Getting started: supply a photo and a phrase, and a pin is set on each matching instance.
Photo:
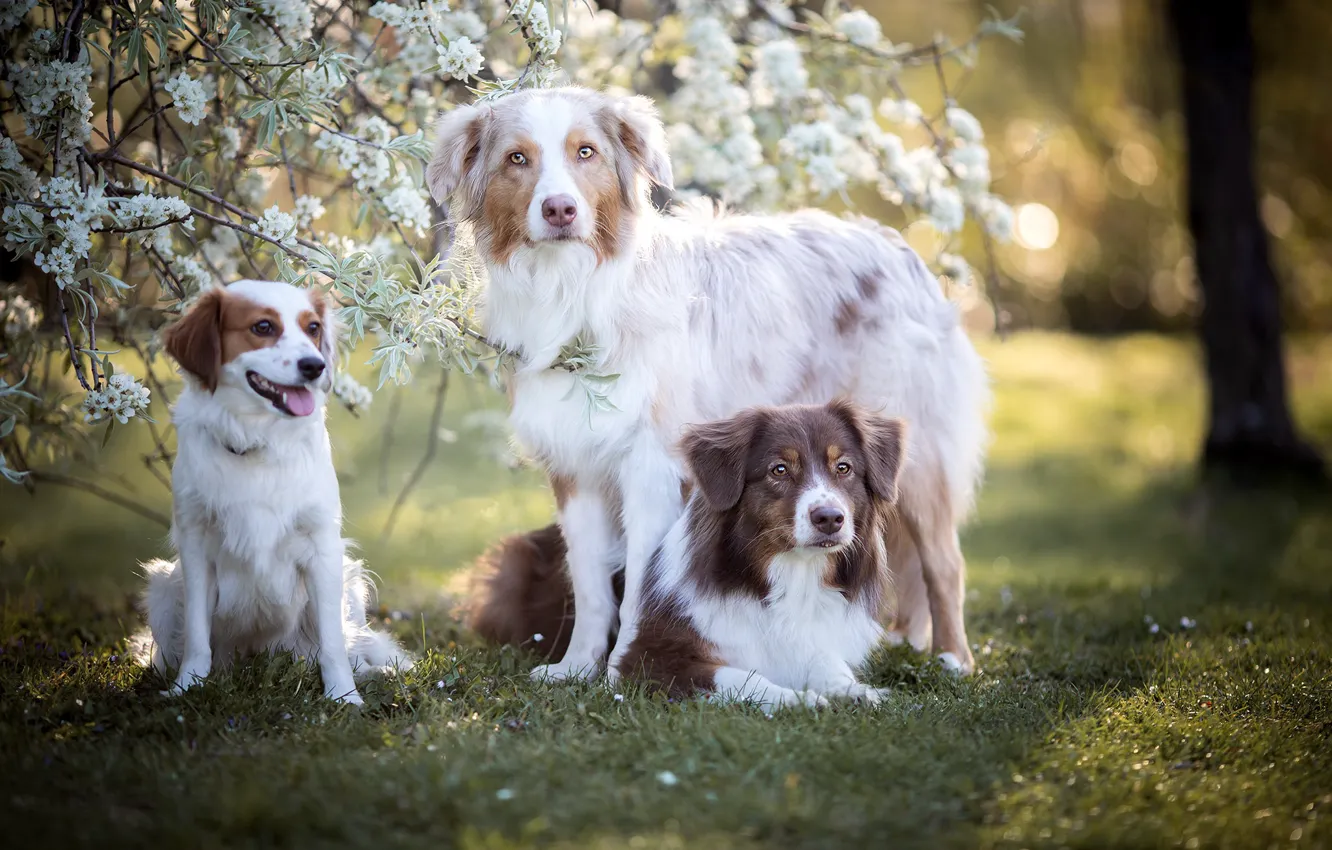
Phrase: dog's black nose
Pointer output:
(825, 519)
(310, 367)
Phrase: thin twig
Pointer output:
(101, 493)
(432, 445)
(69, 340)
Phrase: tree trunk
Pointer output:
(1250, 429)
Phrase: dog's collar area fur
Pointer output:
(245, 452)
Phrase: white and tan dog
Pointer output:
(256, 514)
(700, 316)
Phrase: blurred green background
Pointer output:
(1086, 137)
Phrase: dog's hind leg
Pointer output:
(926, 507)
(162, 604)
(911, 621)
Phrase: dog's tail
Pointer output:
(372, 652)
(522, 596)
(162, 604)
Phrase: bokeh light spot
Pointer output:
(1037, 227)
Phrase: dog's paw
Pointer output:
(352, 697)
(956, 665)
(184, 681)
(565, 671)
(810, 699)
(346, 696)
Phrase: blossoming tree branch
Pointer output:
(151, 149)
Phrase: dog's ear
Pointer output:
(884, 441)
(717, 455)
(640, 143)
(328, 320)
(458, 142)
(195, 342)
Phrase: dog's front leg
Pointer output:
(196, 658)
(325, 581)
(834, 678)
(650, 483)
(589, 532)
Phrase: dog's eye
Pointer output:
(843, 468)
(263, 327)
(778, 470)
(586, 152)
(313, 328)
(517, 158)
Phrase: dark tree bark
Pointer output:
(1250, 430)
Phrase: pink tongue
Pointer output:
(300, 401)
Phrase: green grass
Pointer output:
(1084, 728)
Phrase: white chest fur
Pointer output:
(793, 635)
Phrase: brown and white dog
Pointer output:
(699, 316)
(256, 515)
(770, 586)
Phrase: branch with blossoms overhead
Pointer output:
(151, 150)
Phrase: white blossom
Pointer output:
(292, 18)
(277, 225)
(12, 13)
(58, 261)
(824, 175)
(18, 315)
(996, 216)
(146, 212)
(782, 69)
(971, 164)
(408, 205)
(534, 15)
(860, 28)
(460, 59)
(14, 171)
(352, 393)
(964, 124)
(228, 141)
(901, 111)
(121, 398)
(944, 206)
(191, 273)
(251, 187)
(23, 224)
(308, 209)
(189, 96)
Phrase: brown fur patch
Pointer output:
(599, 186)
(868, 284)
(525, 591)
(507, 197)
(848, 317)
(564, 488)
(309, 319)
(667, 652)
(195, 342)
(239, 316)
(522, 589)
